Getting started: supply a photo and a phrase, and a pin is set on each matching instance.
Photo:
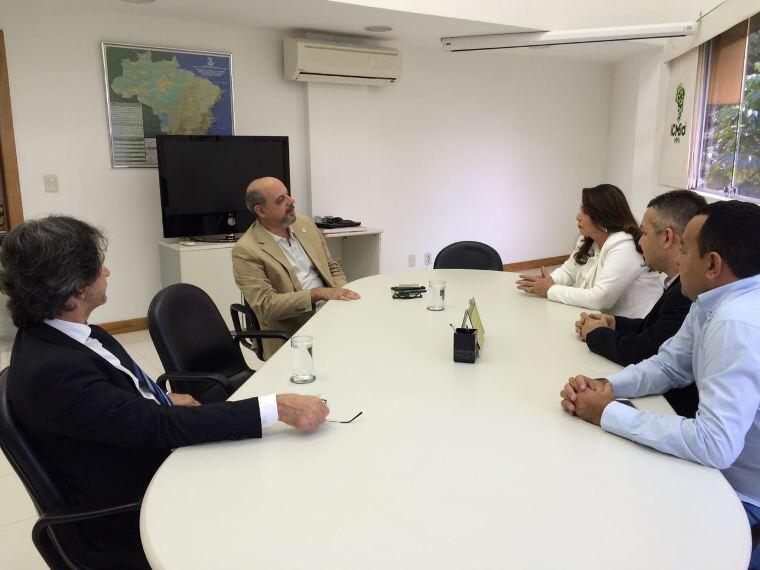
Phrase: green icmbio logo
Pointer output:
(678, 129)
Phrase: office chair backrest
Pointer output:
(468, 255)
(37, 476)
(19, 450)
(190, 335)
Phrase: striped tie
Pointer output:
(145, 382)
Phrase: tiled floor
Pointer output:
(17, 514)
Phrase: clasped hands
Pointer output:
(590, 321)
(537, 285)
(587, 397)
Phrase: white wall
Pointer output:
(543, 15)
(635, 138)
(485, 146)
(59, 111)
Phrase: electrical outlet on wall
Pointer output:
(428, 259)
(51, 183)
(412, 260)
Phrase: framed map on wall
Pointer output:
(152, 91)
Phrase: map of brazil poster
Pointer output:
(152, 91)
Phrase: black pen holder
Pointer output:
(465, 345)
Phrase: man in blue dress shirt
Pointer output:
(717, 348)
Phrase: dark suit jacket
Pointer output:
(634, 340)
(104, 439)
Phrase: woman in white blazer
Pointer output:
(606, 272)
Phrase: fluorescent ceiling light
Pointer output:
(533, 39)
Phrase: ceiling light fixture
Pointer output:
(139, 1)
(379, 29)
(593, 35)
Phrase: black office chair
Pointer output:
(244, 321)
(59, 542)
(468, 255)
(200, 356)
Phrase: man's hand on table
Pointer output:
(333, 293)
(305, 413)
(587, 397)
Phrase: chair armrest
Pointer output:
(195, 377)
(261, 334)
(71, 516)
(81, 514)
(236, 309)
(41, 539)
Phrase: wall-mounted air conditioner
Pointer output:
(307, 60)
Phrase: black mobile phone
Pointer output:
(408, 287)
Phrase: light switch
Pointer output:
(51, 183)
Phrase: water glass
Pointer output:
(436, 296)
(301, 349)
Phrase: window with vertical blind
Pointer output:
(729, 153)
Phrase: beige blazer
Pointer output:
(269, 283)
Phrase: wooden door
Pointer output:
(11, 211)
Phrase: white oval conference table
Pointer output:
(451, 466)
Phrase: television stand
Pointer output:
(215, 238)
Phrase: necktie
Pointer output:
(110, 344)
(145, 382)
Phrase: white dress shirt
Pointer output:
(717, 347)
(300, 262)
(613, 280)
(81, 334)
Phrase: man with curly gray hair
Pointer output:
(95, 416)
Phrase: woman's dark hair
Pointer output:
(45, 262)
(607, 207)
(732, 230)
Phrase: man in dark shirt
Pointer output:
(629, 341)
(103, 426)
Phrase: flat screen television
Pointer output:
(203, 180)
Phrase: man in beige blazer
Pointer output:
(282, 264)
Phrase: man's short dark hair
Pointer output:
(675, 209)
(732, 229)
(45, 262)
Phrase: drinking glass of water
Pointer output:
(301, 349)
(436, 296)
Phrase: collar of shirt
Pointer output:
(669, 280)
(708, 301)
(77, 331)
(280, 239)
(612, 239)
